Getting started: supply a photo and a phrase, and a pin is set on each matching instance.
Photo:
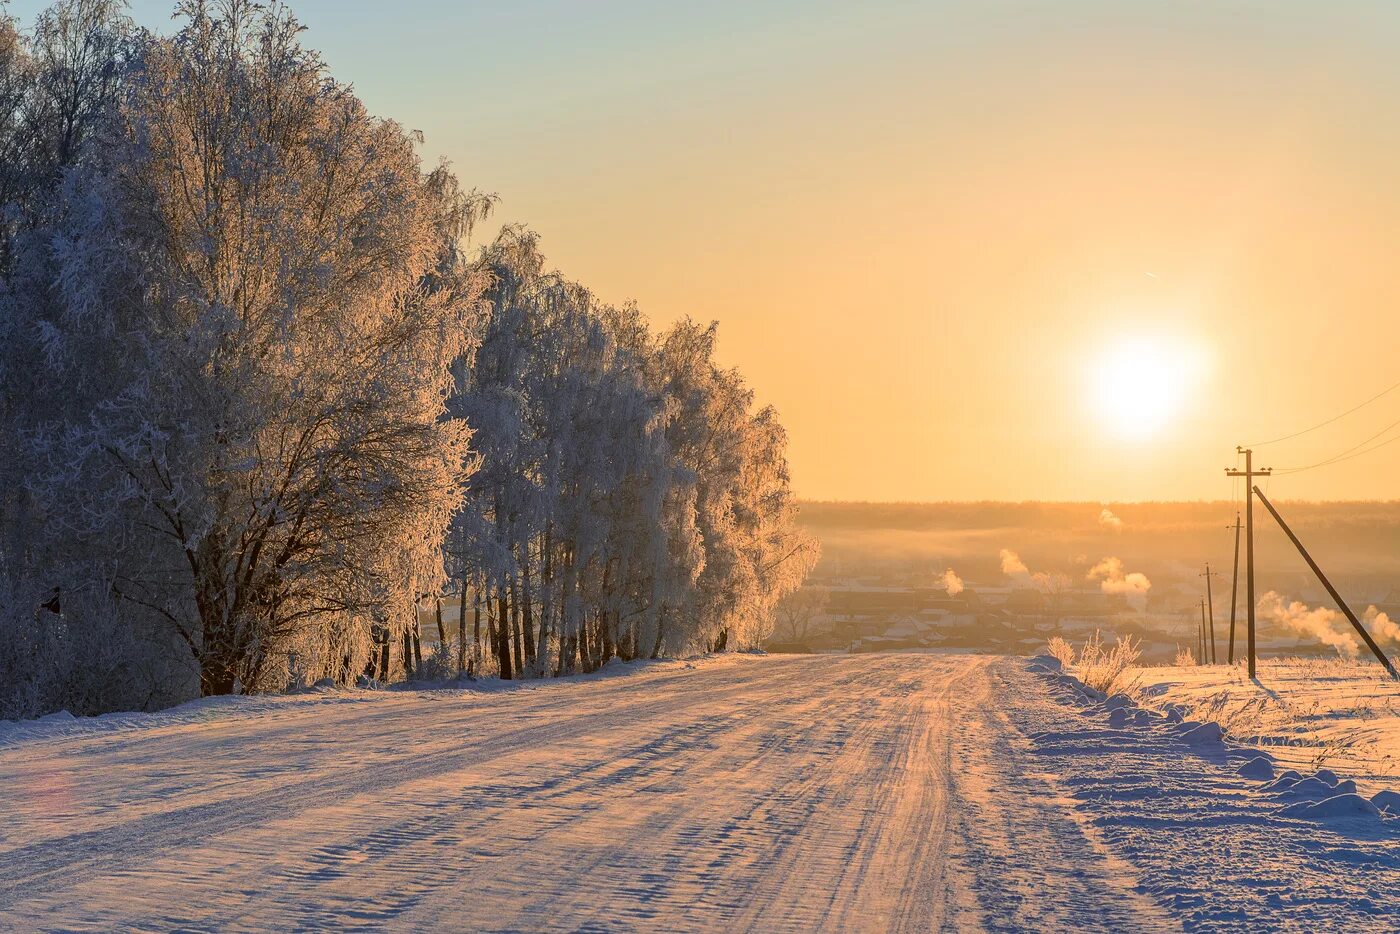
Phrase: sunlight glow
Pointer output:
(1138, 384)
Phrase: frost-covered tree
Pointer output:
(630, 501)
(62, 643)
(754, 553)
(248, 303)
(258, 400)
(56, 84)
(796, 614)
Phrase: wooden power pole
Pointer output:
(1341, 604)
(1249, 473)
(1234, 589)
(1210, 609)
(1201, 636)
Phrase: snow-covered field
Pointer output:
(1309, 713)
(872, 792)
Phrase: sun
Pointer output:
(1139, 384)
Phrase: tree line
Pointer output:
(262, 399)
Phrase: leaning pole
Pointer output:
(1341, 604)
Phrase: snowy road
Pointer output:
(886, 792)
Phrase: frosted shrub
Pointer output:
(1185, 658)
(86, 661)
(439, 665)
(1102, 668)
(1061, 650)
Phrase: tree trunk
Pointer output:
(660, 633)
(546, 587)
(527, 604)
(476, 629)
(503, 633)
(462, 627)
(515, 627)
(568, 651)
(583, 647)
(608, 646)
(519, 652)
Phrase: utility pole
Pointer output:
(1210, 607)
(1234, 588)
(1249, 473)
(1341, 604)
(1201, 635)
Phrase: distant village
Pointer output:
(852, 616)
(883, 582)
(865, 618)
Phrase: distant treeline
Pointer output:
(1171, 541)
(261, 399)
(1064, 515)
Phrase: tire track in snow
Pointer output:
(898, 792)
(1036, 864)
(768, 718)
(24, 868)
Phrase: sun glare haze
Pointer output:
(1138, 385)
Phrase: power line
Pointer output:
(1356, 450)
(1334, 418)
(1375, 447)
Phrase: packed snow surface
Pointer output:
(843, 793)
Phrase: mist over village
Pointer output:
(754, 465)
(1006, 577)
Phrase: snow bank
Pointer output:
(1337, 807)
(1307, 713)
(1200, 734)
(1215, 829)
(1322, 796)
(1259, 768)
(1312, 789)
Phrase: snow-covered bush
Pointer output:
(73, 651)
(1103, 668)
(439, 665)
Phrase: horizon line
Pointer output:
(804, 501)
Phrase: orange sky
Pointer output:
(924, 226)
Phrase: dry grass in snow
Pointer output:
(1309, 713)
(1098, 665)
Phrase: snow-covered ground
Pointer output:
(1309, 713)
(872, 792)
